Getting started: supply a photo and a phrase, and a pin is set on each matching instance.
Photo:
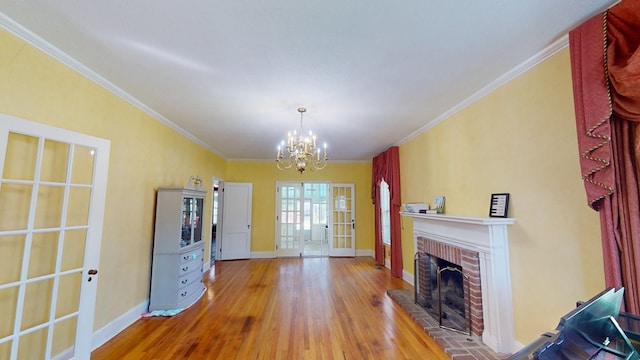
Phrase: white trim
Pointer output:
(489, 237)
(263, 254)
(107, 332)
(39, 43)
(525, 66)
(366, 252)
(64, 355)
(408, 277)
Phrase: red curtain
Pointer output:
(386, 166)
(605, 63)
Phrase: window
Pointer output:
(385, 212)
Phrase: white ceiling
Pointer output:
(232, 73)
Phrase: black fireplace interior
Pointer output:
(444, 301)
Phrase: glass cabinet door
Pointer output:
(197, 220)
(187, 221)
(191, 221)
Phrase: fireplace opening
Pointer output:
(442, 289)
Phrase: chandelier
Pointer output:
(301, 150)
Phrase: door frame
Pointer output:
(215, 181)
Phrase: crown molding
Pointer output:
(39, 43)
(538, 58)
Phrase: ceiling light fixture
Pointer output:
(302, 151)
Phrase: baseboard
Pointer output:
(263, 254)
(365, 252)
(408, 277)
(271, 254)
(107, 332)
(517, 346)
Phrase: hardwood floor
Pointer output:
(292, 308)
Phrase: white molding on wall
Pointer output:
(263, 254)
(272, 254)
(408, 277)
(488, 237)
(39, 43)
(525, 66)
(365, 252)
(107, 332)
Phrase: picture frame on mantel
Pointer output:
(499, 206)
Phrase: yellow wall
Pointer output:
(264, 175)
(145, 154)
(520, 139)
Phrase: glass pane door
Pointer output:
(289, 220)
(49, 239)
(343, 228)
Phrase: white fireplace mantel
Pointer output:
(489, 237)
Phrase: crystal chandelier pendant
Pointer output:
(301, 150)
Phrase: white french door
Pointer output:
(307, 222)
(342, 240)
(289, 227)
(52, 198)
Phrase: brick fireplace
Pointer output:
(469, 262)
(480, 247)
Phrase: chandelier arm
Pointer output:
(284, 164)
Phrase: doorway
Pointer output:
(216, 219)
(303, 220)
(315, 220)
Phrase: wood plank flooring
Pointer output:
(291, 308)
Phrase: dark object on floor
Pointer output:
(596, 329)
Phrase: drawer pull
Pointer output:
(186, 257)
(184, 281)
(183, 294)
(185, 268)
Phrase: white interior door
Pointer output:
(342, 238)
(288, 219)
(236, 229)
(52, 198)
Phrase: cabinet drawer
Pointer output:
(189, 278)
(188, 291)
(191, 255)
(190, 266)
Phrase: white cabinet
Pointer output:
(178, 249)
